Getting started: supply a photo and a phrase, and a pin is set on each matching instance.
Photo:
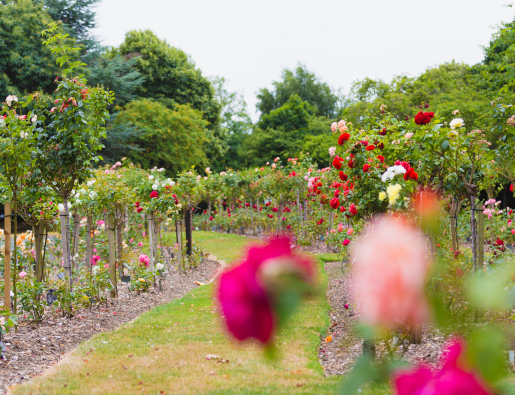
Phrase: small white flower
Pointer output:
(9, 99)
(78, 201)
(34, 119)
(95, 269)
(155, 186)
(457, 123)
(455, 112)
(332, 151)
(160, 266)
(24, 135)
(150, 177)
(60, 207)
(92, 195)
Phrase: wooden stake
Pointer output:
(7, 255)
(151, 239)
(112, 263)
(480, 236)
(65, 243)
(88, 241)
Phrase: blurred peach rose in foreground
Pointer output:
(389, 273)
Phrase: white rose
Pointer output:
(160, 266)
(155, 186)
(60, 207)
(150, 177)
(34, 119)
(457, 123)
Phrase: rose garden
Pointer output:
(389, 271)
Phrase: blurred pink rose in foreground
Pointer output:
(389, 274)
(246, 289)
(450, 379)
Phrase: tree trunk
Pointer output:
(7, 255)
(187, 225)
(179, 245)
(473, 229)
(39, 251)
(15, 254)
(76, 234)
(88, 242)
(453, 215)
(151, 239)
(119, 244)
(65, 242)
(480, 237)
(112, 262)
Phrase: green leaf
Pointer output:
(445, 145)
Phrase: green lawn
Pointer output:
(164, 350)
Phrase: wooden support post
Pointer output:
(39, 251)
(112, 262)
(179, 245)
(151, 239)
(7, 255)
(88, 241)
(473, 232)
(187, 226)
(65, 243)
(76, 234)
(480, 236)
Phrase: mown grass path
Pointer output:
(164, 350)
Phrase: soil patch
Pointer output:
(35, 347)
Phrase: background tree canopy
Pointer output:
(172, 139)
(197, 120)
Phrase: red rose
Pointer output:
(139, 209)
(343, 176)
(499, 242)
(366, 167)
(371, 148)
(337, 162)
(511, 188)
(423, 118)
(352, 209)
(351, 164)
(380, 146)
(344, 137)
(335, 202)
(342, 209)
(336, 193)
(383, 132)
(381, 158)
(153, 194)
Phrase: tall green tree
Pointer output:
(171, 139)
(235, 127)
(26, 65)
(299, 82)
(170, 75)
(78, 18)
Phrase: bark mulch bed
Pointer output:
(338, 355)
(33, 348)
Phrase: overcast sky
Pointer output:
(250, 42)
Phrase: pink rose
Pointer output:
(245, 304)
(94, 259)
(346, 242)
(450, 379)
(94, 249)
(350, 231)
(340, 227)
(23, 274)
(144, 233)
(106, 266)
(131, 241)
(140, 244)
(392, 257)
(144, 259)
(513, 231)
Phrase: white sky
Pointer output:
(250, 42)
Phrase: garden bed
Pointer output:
(338, 355)
(33, 348)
